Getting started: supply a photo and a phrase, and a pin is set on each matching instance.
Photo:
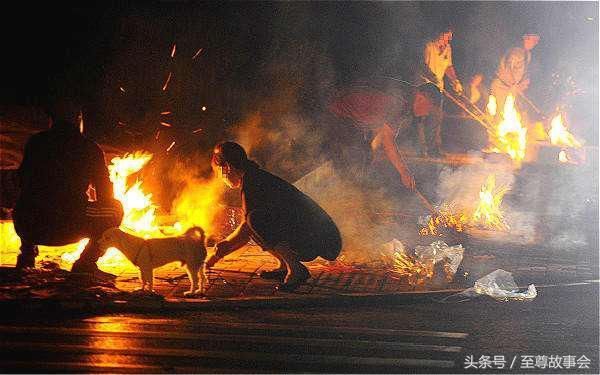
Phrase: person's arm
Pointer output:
(385, 135)
(451, 74)
(99, 176)
(234, 241)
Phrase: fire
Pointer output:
(559, 135)
(510, 136)
(488, 213)
(492, 105)
(562, 156)
(411, 268)
(444, 218)
(140, 212)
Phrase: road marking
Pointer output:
(116, 367)
(282, 327)
(253, 357)
(259, 339)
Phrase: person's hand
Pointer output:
(523, 85)
(408, 180)
(458, 87)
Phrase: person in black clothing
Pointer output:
(53, 208)
(277, 216)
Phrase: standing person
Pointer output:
(428, 103)
(278, 217)
(53, 208)
(380, 117)
(512, 76)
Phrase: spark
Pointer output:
(166, 113)
(121, 123)
(197, 53)
(165, 124)
(197, 131)
(122, 89)
(171, 146)
(173, 50)
(167, 82)
(203, 108)
(157, 135)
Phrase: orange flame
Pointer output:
(488, 213)
(559, 135)
(510, 136)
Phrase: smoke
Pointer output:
(460, 189)
(357, 210)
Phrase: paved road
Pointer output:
(424, 337)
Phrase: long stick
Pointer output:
(425, 202)
(528, 101)
(463, 107)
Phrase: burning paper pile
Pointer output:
(486, 214)
(425, 263)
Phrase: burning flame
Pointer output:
(140, 212)
(492, 105)
(559, 135)
(510, 136)
(488, 213)
(444, 218)
(411, 268)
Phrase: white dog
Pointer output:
(189, 249)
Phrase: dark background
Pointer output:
(273, 57)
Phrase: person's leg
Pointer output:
(26, 259)
(97, 219)
(297, 273)
(279, 272)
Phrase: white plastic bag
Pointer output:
(499, 285)
(439, 251)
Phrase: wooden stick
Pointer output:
(425, 202)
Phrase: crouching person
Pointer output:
(277, 216)
(53, 208)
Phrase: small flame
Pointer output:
(488, 213)
(492, 105)
(447, 218)
(559, 135)
(562, 156)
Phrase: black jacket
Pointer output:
(57, 167)
(277, 212)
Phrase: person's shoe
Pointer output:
(25, 261)
(278, 274)
(294, 280)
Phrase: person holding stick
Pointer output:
(512, 76)
(428, 103)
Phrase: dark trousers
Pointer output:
(306, 238)
(66, 228)
(429, 126)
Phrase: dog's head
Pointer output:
(110, 238)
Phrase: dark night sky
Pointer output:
(271, 55)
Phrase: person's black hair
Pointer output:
(233, 154)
